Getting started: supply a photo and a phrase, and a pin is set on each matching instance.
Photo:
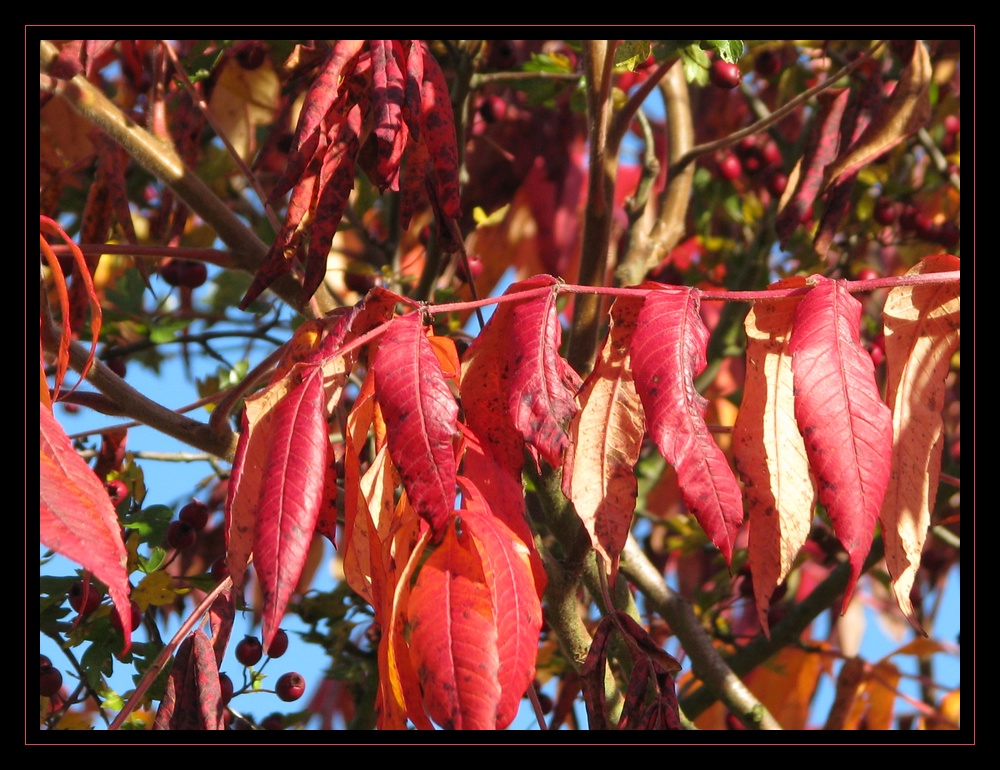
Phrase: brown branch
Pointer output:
(598, 62)
(720, 680)
(161, 160)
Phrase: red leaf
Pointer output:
(453, 637)
(606, 436)
(76, 518)
(193, 698)
(420, 415)
(821, 149)
(438, 130)
(542, 395)
(320, 99)
(846, 427)
(518, 612)
(668, 352)
(387, 104)
(275, 493)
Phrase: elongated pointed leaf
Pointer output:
(821, 150)
(906, 110)
(277, 487)
(668, 352)
(846, 427)
(543, 387)
(437, 128)
(193, 699)
(516, 607)
(399, 696)
(605, 438)
(453, 636)
(387, 103)
(320, 99)
(421, 415)
(921, 334)
(769, 449)
(76, 518)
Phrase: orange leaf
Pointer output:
(76, 518)
(507, 570)
(769, 450)
(453, 637)
(921, 334)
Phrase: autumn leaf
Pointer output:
(193, 697)
(275, 495)
(821, 149)
(906, 110)
(605, 439)
(769, 449)
(420, 414)
(453, 636)
(846, 427)
(922, 329)
(506, 562)
(541, 398)
(668, 352)
(76, 518)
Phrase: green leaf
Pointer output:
(631, 53)
(696, 64)
(729, 50)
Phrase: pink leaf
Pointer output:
(668, 352)
(76, 518)
(846, 427)
(420, 416)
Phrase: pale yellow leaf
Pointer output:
(770, 452)
(605, 438)
(242, 100)
(921, 333)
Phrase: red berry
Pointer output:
(226, 687)
(181, 535)
(952, 124)
(886, 211)
(184, 272)
(249, 651)
(85, 597)
(948, 234)
(730, 168)
(50, 678)
(279, 644)
(117, 365)
(361, 279)
(724, 74)
(475, 268)
(194, 513)
(136, 617)
(117, 491)
(290, 686)
(768, 63)
(493, 108)
(776, 184)
(866, 274)
(220, 568)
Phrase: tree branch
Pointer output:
(161, 160)
(720, 680)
